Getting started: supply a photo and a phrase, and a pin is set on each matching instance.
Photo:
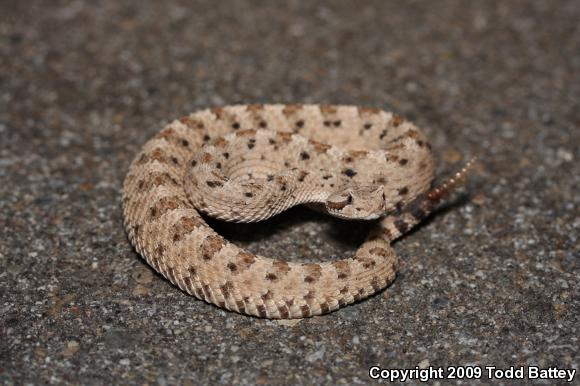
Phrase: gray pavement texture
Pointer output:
(492, 279)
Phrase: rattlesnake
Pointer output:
(230, 163)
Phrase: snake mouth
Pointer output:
(362, 217)
(372, 216)
(337, 205)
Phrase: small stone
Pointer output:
(478, 199)
(245, 332)
(559, 309)
(288, 322)
(440, 303)
(263, 380)
(267, 363)
(423, 364)
(316, 355)
(39, 353)
(451, 156)
(125, 362)
(565, 155)
(85, 186)
(140, 290)
(142, 275)
(59, 304)
(71, 348)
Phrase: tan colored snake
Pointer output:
(250, 162)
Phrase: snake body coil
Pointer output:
(247, 163)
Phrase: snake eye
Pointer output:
(340, 202)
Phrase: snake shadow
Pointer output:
(344, 234)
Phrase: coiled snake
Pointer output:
(250, 162)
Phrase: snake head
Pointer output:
(357, 203)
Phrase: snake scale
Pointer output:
(249, 162)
